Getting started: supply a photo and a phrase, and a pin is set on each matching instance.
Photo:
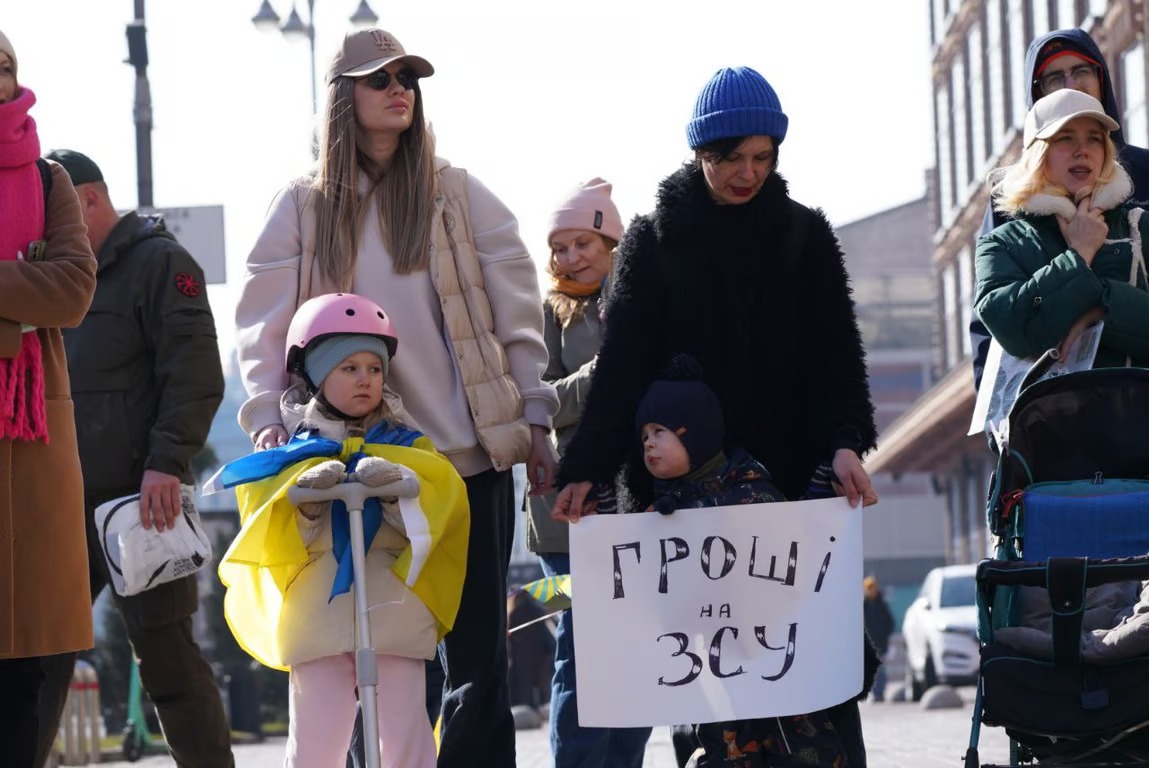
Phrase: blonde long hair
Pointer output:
(1014, 185)
(406, 192)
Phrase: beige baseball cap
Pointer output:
(369, 50)
(1050, 113)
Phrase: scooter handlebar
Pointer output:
(354, 494)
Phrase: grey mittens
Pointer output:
(374, 472)
(323, 476)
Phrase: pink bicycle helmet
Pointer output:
(331, 314)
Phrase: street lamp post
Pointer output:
(142, 110)
(294, 27)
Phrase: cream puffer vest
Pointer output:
(492, 395)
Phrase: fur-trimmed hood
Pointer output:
(1111, 195)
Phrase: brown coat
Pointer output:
(44, 603)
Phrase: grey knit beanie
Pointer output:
(323, 356)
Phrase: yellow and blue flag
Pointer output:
(268, 552)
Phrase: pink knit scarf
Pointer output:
(22, 411)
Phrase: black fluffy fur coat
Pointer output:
(758, 294)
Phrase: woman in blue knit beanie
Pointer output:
(732, 271)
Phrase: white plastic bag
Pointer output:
(1004, 374)
(140, 558)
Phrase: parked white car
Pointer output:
(940, 631)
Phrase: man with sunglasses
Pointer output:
(1066, 58)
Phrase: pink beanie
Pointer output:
(589, 207)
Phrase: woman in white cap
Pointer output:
(1073, 254)
(47, 277)
(584, 231)
(383, 217)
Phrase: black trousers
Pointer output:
(20, 682)
(173, 671)
(476, 717)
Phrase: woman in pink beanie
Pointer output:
(584, 230)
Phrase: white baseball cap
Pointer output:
(1050, 114)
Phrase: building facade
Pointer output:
(979, 106)
(888, 260)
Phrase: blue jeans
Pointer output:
(572, 745)
(878, 691)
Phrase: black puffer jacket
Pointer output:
(144, 363)
(758, 294)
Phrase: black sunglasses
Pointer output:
(380, 79)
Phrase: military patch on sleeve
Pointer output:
(188, 285)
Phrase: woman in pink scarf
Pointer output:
(47, 276)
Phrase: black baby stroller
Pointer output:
(1069, 511)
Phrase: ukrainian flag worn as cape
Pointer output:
(268, 552)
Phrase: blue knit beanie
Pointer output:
(323, 356)
(736, 102)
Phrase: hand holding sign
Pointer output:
(572, 503)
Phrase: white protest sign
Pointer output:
(724, 613)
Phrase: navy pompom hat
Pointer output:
(680, 401)
(736, 102)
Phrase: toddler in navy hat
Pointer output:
(683, 432)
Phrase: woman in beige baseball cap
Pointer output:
(384, 217)
(1073, 253)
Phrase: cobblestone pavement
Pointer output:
(897, 735)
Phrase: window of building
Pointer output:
(942, 123)
(961, 138)
(1067, 14)
(1040, 12)
(965, 296)
(979, 139)
(1134, 122)
(939, 19)
(996, 51)
(1018, 34)
(1098, 7)
(951, 317)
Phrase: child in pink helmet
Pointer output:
(340, 346)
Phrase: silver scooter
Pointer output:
(354, 495)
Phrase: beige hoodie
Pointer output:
(426, 372)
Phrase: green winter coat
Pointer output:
(1032, 287)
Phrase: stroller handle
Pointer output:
(1040, 368)
(354, 494)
